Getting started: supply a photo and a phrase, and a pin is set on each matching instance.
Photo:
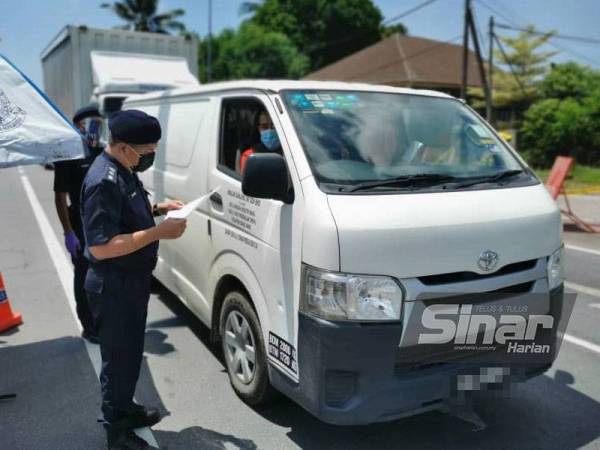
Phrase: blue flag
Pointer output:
(32, 129)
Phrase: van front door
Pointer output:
(259, 233)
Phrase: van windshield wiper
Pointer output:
(405, 180)
(489, 179)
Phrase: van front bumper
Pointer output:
(349, 372)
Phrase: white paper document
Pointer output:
(189, 207)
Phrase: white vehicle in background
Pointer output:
(83, 65)
(310, 267)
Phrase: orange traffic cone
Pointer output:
(8, 319)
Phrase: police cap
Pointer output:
(134, 127)
(90, 110)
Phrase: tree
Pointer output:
(566, 123)
(388, 30)
(569, 80)
(141, 15)
(252, 52)
(516, 82)
(324, 30)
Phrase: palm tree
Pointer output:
(141, 15)
(250, 7)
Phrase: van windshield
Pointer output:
(373, 140)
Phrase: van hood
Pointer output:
(409, 235)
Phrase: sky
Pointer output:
(27, 26)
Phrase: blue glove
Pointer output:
(72, 244)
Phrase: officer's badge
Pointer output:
(111, 174)
(11, 116)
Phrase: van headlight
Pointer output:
(344, 296)
(555, 269)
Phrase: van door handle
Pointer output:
(217, 200)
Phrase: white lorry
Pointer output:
(312, 266)
(82, 65)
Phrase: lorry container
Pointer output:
(82, 64)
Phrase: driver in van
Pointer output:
(269, 140)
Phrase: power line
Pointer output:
(550, 42)
(553, 35)
(517, 79)
(356, 35)
(408, 11)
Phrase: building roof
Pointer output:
(275, 86)
(401, 60)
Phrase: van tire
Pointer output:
(258, 391)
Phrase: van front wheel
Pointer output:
(244, 350)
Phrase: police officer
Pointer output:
(68, 177)
(121, 245)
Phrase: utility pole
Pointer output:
(480, 65)
(470, 28)
(488, 105)
(209, 50)
(465, 56)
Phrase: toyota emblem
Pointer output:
(488, 260)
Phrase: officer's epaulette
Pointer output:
(111, 174)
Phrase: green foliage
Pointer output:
(567, 123)
(252, 52)
(141, 15)
(529, 64)
(324, 30)
(569, 80)
(388, 30)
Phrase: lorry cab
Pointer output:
(313, 265)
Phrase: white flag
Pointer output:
(32, 129)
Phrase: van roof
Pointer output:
(275, 86)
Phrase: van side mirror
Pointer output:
(266, 176)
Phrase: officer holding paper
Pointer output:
(121, 245)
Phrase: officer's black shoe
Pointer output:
(90, 336)
(125, 440)
(143, 417)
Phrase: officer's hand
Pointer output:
(72, 244)
(171, 228)
(170, 205)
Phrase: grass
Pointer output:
(581, 180)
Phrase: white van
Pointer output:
(311, 266)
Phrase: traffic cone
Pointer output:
(8, 319)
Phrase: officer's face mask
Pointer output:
(270, 138)
(145, 161)
(92, 130)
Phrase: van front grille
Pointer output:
(481, 297)
(458, 277)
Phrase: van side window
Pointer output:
(239, 131)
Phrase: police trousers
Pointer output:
(80, 268)
(119, 302)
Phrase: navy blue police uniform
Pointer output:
(68, 178)
(114, 202)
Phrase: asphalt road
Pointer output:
(47, 365)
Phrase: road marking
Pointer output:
(595, 305)
(581, 342)
(583, 249)
(583, 289)
(64, 270)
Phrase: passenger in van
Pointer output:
(267, 143)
